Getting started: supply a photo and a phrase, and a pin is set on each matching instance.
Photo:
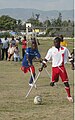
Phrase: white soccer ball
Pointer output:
(38, 100)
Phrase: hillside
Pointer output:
(24, 14)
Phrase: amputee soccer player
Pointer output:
(62, 43)
(27, 62)
(59, 56)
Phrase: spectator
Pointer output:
(5, 47)
(0, 48)
(16, 54)
(10, 52)
(63, 42)
(24, 45)
(73, 56)
(13, 42)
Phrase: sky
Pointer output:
(38, 4)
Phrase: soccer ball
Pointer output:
(37, 100)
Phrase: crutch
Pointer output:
(32, 85)
(32, 77)
(47, 73)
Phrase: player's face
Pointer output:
(33, 46)
(56, 43)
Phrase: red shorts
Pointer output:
(27, 69)
(59, 71)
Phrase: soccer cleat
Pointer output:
(30, 84)
(70, 99)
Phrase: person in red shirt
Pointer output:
(24, 45)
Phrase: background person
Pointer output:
(0, 49)
(59, 55)
(63, 42)
(16, 54)
(10, 52)
(24, 46)
(73, 57)
(5, 47)
(13, 42)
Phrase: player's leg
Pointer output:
(3, 53)
(6, 52)
(55, 75)
(57, 79)
(64, 78)
(23, 53)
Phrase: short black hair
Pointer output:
(34, 42)
(24, 37)
(58, 39)
(61, 36)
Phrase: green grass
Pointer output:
(14, 86)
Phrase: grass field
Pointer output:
(14, 86)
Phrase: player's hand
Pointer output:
(45, 65)
(40, 69)
(40, 60)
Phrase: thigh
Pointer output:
(55, 74)
(24, 69)
(32, 68)
(63, 74)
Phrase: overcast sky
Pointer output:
(38, 4)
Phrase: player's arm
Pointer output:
(38, 57)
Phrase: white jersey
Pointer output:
(5, 43)
(58, 57)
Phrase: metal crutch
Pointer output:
(32, 85)
(32, 77)
(49, 75)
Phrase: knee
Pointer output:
(66, 84)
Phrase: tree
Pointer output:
(47, 23)
(59, 20)
(37, 16)
(7, 23)
(35, 22)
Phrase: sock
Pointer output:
(68, 91)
